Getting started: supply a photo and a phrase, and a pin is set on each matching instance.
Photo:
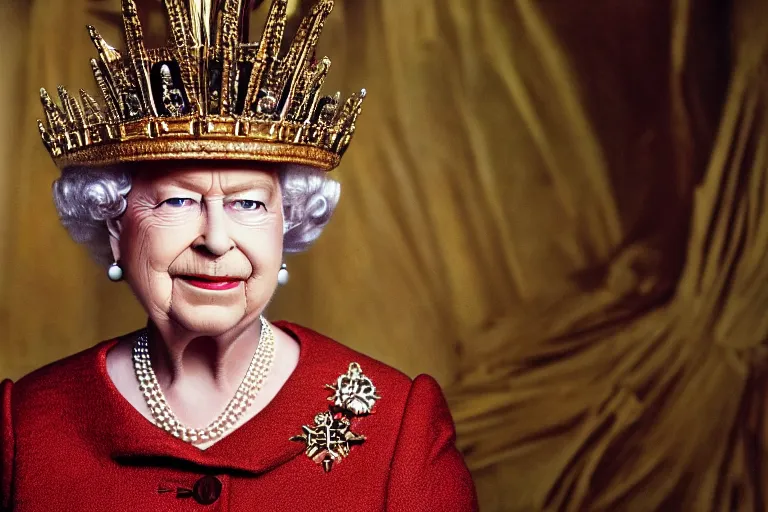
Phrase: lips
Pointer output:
(212, 282)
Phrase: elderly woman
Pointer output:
(204, 164)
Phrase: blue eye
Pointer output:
(248, 204)
(178, 202)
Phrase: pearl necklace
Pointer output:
(258, 370)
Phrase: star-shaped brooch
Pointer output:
(330, 439)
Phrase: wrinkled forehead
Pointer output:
(202, 176)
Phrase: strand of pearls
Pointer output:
(258, 370)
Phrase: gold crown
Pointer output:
(209, 95)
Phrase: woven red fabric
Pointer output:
(70, 441)
(6, 444)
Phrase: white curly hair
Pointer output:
(87, 198)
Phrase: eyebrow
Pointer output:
(228, 189)
(260, 182)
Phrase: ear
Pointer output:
(115, 227)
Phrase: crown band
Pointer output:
(253, 151)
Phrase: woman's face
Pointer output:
(201, 247)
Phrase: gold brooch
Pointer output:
(354, 392)
(330, 439)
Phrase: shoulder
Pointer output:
(327, 356)
(28, 406)
(428, 473)
(60, 378)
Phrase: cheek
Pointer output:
(150, 248)
(155, 246)
(263, 246)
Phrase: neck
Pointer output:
(184, 360)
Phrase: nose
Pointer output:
(215, 237)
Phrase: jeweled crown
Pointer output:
(209, 94)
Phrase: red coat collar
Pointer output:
(259, 445)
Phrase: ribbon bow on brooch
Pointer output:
(330, 439)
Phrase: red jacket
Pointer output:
(71, 442)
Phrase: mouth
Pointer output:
(211, 282)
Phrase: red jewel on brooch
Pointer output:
(330, 439)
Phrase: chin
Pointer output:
(208, 320)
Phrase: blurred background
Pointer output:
(557, 208)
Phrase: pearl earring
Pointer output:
(115, 272)
(282, 275)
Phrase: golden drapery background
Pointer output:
(558, 209)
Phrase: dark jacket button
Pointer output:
(207, 490)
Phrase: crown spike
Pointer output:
(306, 38)
(137, 51)
(184, 42)
(110, 59)
(345, 123)
(229, 20)
(302, 50)
(269, 49)
(73, 109)
(272, 38)
(93, 115)
(200, 11)
(200, 20)
(303, 111)
(49, 140)
(107, 53)
(351, 109)
(54, 115)
(107, 92)
(228, 35)
(179, 21)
